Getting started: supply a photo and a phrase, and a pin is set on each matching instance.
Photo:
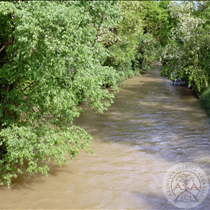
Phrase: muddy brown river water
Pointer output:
(151, 126)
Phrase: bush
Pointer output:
(205, 100)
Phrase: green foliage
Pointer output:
(205, 100)
(50, 64)
(124, 42)
(24, 149)
(187, 53)
(155, 17)
(147, 52)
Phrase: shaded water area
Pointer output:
(151, 126)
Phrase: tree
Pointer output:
(124, 38)
(184, 55)
(49, 65)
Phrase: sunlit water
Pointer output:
(151, 126)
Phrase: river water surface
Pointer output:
(151, 126)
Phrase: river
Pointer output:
(151, 126)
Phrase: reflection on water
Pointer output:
(151, 126)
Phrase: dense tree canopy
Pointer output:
(50, 64)
(189, 44)
(56, 54)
